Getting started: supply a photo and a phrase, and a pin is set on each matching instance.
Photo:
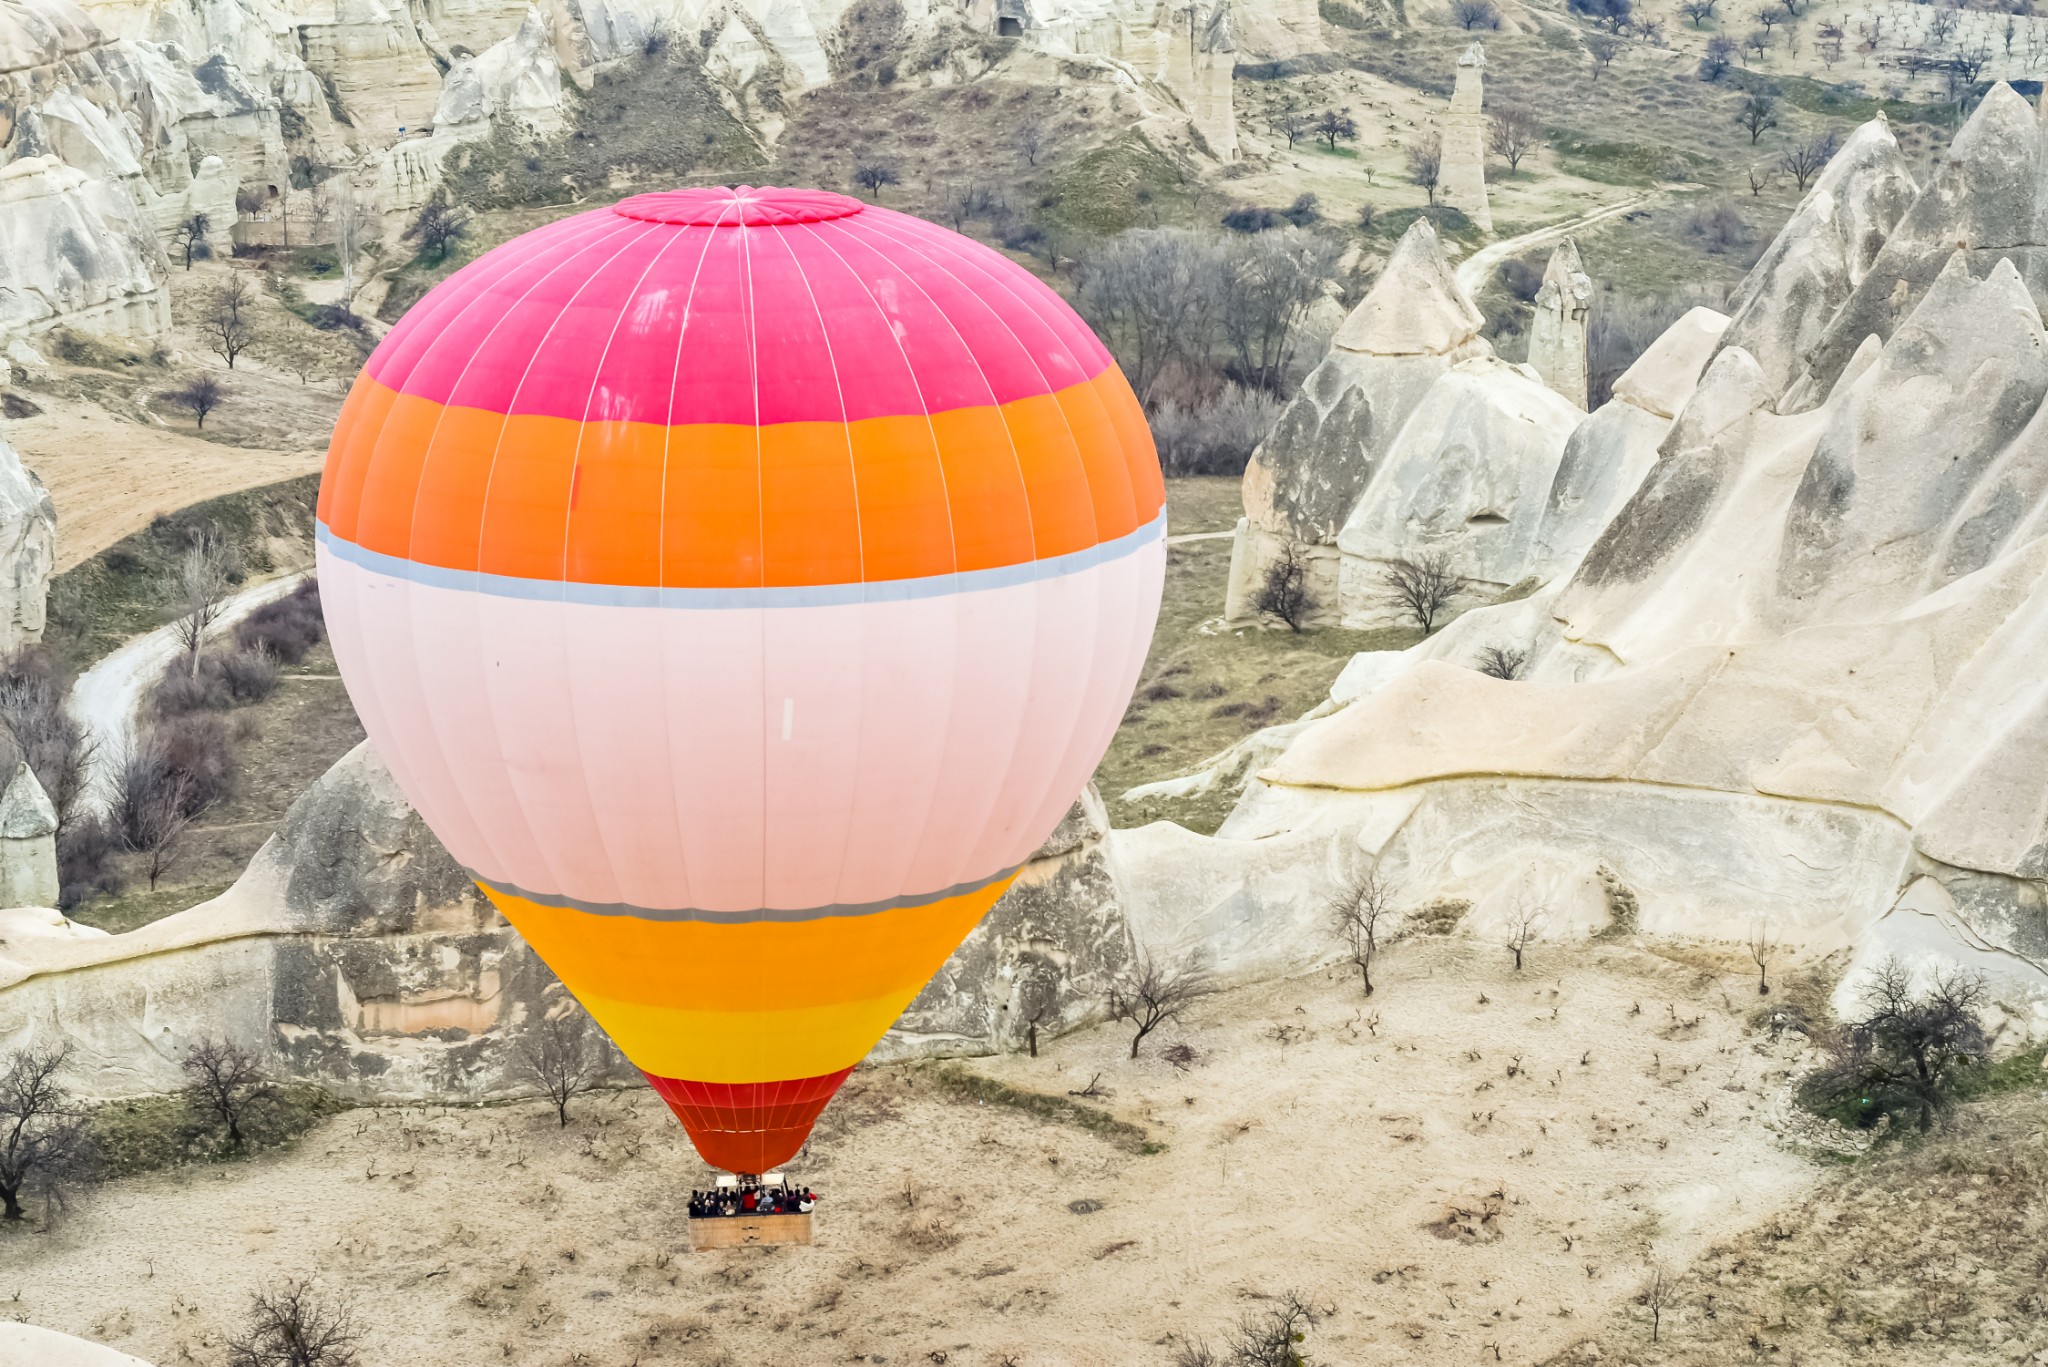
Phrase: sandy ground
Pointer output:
(109, 477)
(1474, 1159)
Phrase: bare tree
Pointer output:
(1355, 915)
(1292, 125)
(1760, 178)
(43, 1138)
(1284, 593)
(1758, 115)
(1503, 662)
(1152, 992)
(1425, 157)
(1524, 924)
(352, 218)
(1907, 1051)
(1698, 11)
(296, 353)
(227, 316)
(293, 1325)
(438, 226)
(38, 725)
(1603, 48)
(1420, 587)
(1333, 124)
(1031, 141)
(1763, 947)
(1471, 14)
(1720, 55)
(1152, 295)
(560, 1055)
(200, 595)
(198, 396)
(1658, 1295)
(225, 1079)
(1513, 134)
(1807, 159)
(189, 238)
(154, 818)
(1272, 1337)
(872, 176)
(1267, 287)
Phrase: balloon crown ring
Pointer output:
(738, 206)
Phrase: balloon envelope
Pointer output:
(741, 584)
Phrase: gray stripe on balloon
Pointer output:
(792, 596)
(791, 914)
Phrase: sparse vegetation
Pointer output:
(1283, 594)
(1421, 587)
(295, 1324)
(1907, 1054)
(561, 1056)
(199, 396)
(227, 316)
(1425, 160)
(1154, 991)
(43, 1138)
(226, 1080)
(1357, 912)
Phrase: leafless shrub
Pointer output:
(1657, 1296)
(1503, 662)
(227, 316)
(1153, 991)
(1481, 14)
(1525, 922)
(1356, 913)
(871, 176)
(1719, 57)
(561, 1057)
(439, 225)
(1425, 160)
(199, 594)
(43, 1137)
(1621, 330)
(85, 860)
(1216, 438)
(1763, 947)
(1805, 160)
(287, 627)
(42, 732)
(225, 1079)
(1272, 1337)
(198, 396)
(294, 1325)
(151, 807)
(1283, 594)
(1719, 226)
(1421, 587)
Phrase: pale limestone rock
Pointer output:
(1558, 336)
(1663, 378)
(25, 1345)
(1465, 137)
(75, 252)
(1822, 255)
(1468, 476)
(515, 80)
(28, 552)
(1416, 307)
(28, 843)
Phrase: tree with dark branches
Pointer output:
(293, 1325)
(189, 238)
(1333, 124)
(1425, 158)
(1512, 133)
(1273, 1337)
(1763, 947)
(1906, 1053)
(871, 176)
(227, 317)
(1284, 593)
(225, 1079)
(1356, 912)
(1603, 48)
(1031, 142)
(1421, 587)
(1758, 115)
(438, 226)
(1152, 991)
(1503, 662)
(1698, 11)
(43, 1137)
(1808, 159)
(560, 1055)
(1525, 922)
(198, 396)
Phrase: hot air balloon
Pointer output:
(741, 583)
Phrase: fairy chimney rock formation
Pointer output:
(1558, 339)
(28, 551)
(1464, 166)
(28, 843)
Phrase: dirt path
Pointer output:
(106, 698)
(1474, 1159)
(1474, 269)
(110, 477)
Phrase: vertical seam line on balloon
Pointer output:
(939, 463)
(952, 535)
(1024, 487)
(915, 242)
(860, 545)
(540, 850)
(568, 520)
(661, 528)
(761, 521)
(576, 248)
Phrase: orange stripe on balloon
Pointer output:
(751, 966)
(725, 506)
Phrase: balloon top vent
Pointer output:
(726, 206)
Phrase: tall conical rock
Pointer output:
(1823, 253)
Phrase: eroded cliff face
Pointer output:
(1796, 679)
(356, 954)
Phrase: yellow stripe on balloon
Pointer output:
(746, 1046)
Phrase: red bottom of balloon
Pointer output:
(748, 1127)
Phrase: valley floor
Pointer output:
(1473, 1161)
